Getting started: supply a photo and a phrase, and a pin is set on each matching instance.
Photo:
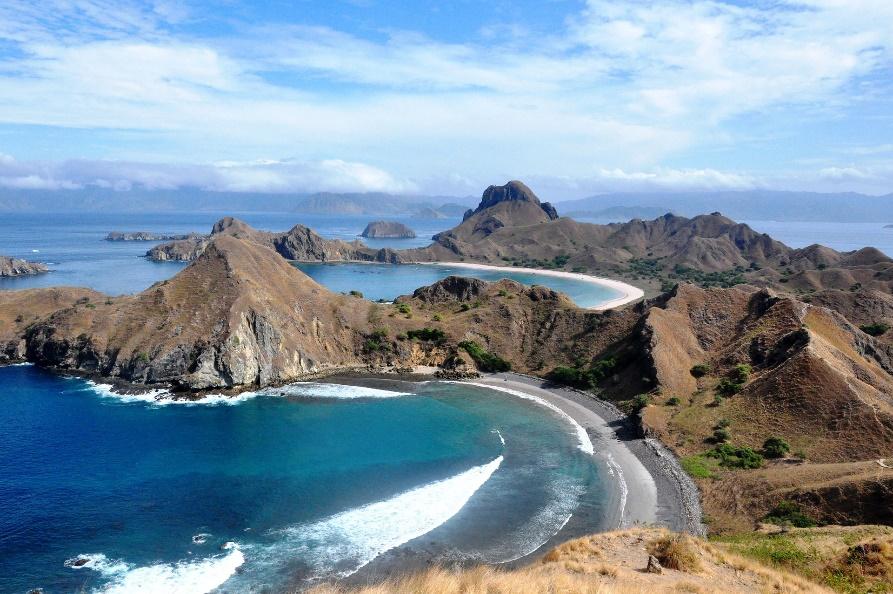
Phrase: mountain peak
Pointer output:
(513, 191)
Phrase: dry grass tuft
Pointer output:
(676, 551)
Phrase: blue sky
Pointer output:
(575, 97)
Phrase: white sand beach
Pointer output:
(629, 293)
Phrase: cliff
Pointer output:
(387, 229)
(18, 267)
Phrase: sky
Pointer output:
(445, 98)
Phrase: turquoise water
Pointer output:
(267, 491)
(387, 281)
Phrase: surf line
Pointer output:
(586, 446)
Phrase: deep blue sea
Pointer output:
(266, 491)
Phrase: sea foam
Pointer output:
(341, 544)
(305, 389)
(583, 437)
(196, 577)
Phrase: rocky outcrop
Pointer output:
(18, 267)
(387, 230)
(299, 243)
(148, 236)
(238, 316)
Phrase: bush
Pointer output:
(788, 512)
(570, 376)
(464, 307)
(728, 387)
(437, 318)
(736, 457)
(673, 401)
(741, 373)
(776, 447)
(356, 294)
(721, 435)
(485, 361)
(640, 402)
(675, 552)
(404, 308)
(700, 370)
(432, 334)
(876, 329)
(723, 423)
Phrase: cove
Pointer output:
(387, 281)
(99, 492)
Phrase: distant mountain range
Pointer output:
(845, 207)
(744, 205)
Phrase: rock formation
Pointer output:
(299, 243)
(387, 230)
(18, 267)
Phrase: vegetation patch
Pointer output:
(699, 466)
(675, 552)
(700, 370)
(876, 329)
(776, 447)
(788, 513)
(485, 360)
(731, 456)
(430, 334)
(583, 378)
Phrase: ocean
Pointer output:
(270, 491)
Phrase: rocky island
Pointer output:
(387, 230)
(18, 267)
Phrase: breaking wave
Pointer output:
(583, 437)
(196, 577)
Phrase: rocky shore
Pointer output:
(147, 236)
(18, 267)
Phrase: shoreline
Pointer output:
(629, 293)
(651, 487)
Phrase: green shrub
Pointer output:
(696, 466)
(700, 370)
(143, 356)
(640, 401)
(723, 423)
(356, 294)
(788, 512)
(721, 435)
(876, 329)
(432, 334)
(736, 457)
(437, 318)
(503, 292)
(464, 307)
(673, 401)
(728, 387)
(485, 361)
(379, 333)
(371, 346)
(741, 373)
(404, 308)
(717, 400)
(776, 447)
(570, 376)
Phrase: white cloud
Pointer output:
(262, 176)
(625, 87)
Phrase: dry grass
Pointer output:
(610, 563)
(675, 551)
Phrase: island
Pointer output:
(147, 236)
(758, 372)
(18, 267)
(387, 230)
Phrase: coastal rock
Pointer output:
(18, 267)
(183, 250)
(148, 236)
(653, 565)
(387, 229)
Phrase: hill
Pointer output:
(613, 562)
(18, 267)
(850, 207)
